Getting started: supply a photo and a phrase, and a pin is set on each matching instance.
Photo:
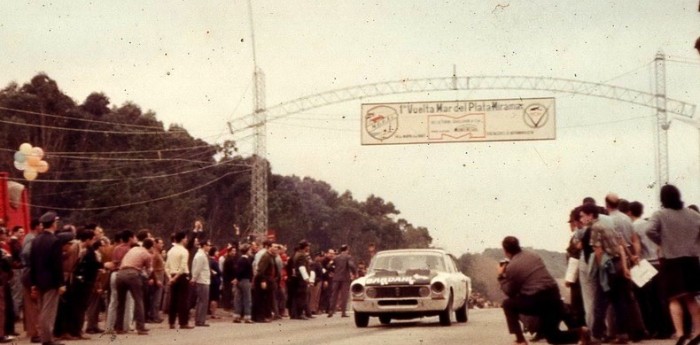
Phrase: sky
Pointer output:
(191, 62)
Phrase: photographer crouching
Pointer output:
(531, 290)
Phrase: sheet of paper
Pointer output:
(642, 273)
(571, 271)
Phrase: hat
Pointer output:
(48, 217)
(64, 237)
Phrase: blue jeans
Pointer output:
(619, 297)
(243, 300)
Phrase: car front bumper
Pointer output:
(378, 306)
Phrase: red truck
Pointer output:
(14, 203)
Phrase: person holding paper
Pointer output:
(677, 232)
(652, 301)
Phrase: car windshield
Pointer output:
(407, 261)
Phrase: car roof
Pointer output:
(421, 250)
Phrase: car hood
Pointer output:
(414, 277)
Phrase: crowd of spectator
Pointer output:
(117, 286)
(631, 278)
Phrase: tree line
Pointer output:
(119, 167)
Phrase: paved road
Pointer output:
(484, 327)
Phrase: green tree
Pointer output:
(120, 167)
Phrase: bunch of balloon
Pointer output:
(29, 159)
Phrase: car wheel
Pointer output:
(447, 313)
(462, 314)
(384, 320)
(361, 320)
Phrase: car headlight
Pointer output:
(437, 287)
(371, 292)
(357, 289)
(424, 291)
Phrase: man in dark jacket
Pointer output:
(266, 285)
(531, 290)
(298, 277)
(345, 272)
(46, 276)
(228, 275)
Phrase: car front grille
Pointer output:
(397, 302)
(398, 291)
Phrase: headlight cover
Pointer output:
(357, 289)
(437, 287)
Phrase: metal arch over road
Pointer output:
(258, 119)
(464, 83)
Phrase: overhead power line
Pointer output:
(131, 152)
(135, 178)
(138, 202)
(118, 165)
(124, 181)
(110, 159)
(29, 112)
(92, 130)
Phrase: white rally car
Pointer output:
(411, 283)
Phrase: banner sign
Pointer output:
(458, 121)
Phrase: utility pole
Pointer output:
(662, 124)
(258, 183)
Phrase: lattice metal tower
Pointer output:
(662, 124)
(258, 184)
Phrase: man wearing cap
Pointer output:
(46, 275)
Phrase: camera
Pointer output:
(503, 262)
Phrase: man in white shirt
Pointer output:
(178, 273)
(201, 278)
